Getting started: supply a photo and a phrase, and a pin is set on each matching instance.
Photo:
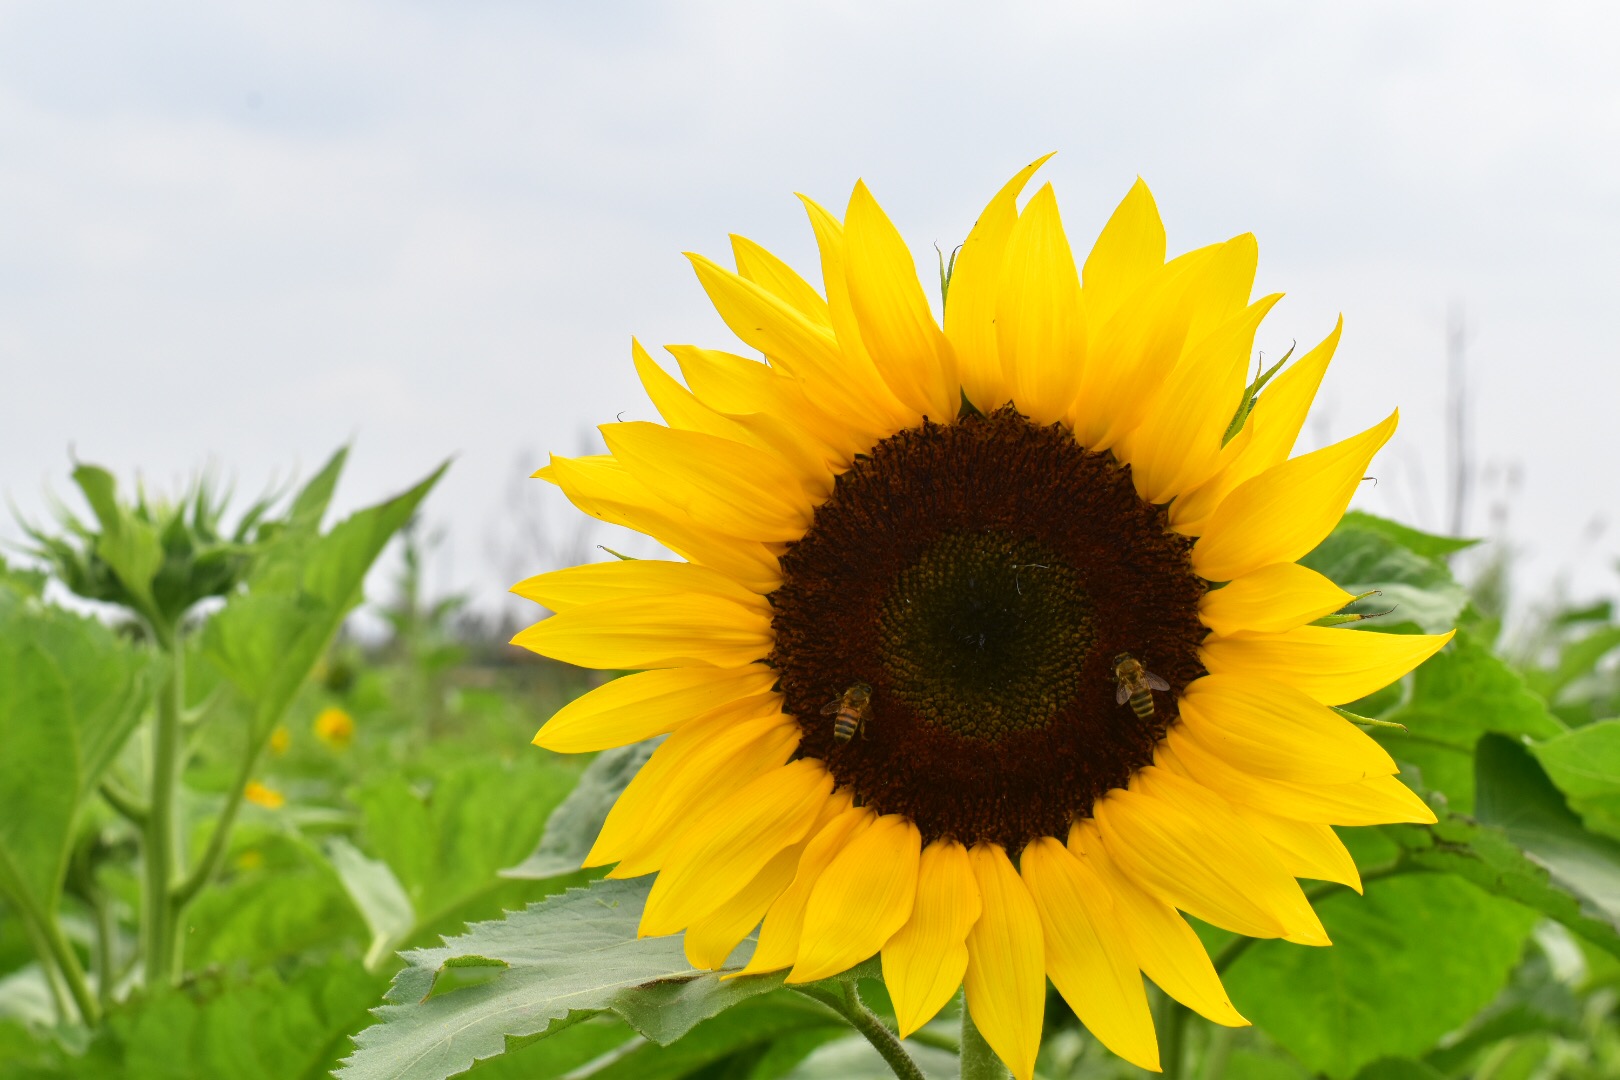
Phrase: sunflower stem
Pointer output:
(848, 1004)
(159, 943)
(979, 1062)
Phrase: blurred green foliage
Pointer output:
(1486, 946)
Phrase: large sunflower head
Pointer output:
(988, 648)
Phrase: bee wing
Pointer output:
(832, 706)
(1122, 695)
(1155, 682)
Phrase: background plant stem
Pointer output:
(159, 948)
(219, 839)
(1173, 1043)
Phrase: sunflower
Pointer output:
(989, 649)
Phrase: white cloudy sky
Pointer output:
(244, 233)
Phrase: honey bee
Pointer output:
(849, 711)
(1136, 684)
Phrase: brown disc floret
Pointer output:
(981, 577)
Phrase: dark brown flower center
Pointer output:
(981, 578)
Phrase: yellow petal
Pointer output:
(897, 327)
(877, 405)
(740, 387)
(676, 404)
(1272, 730)
(623, 579)
(1040, 330)
(1333, 665)
(1129, 251)
(738, 490)
(1280, 412)
(793, 448)
(653, 632)
(863, 897)
(700, 781)
(713, 938)
(837, 383)
(1271, 599)
(1167, 949)
(1130, 355)
(1272, 429)
(924, 962)
(736, 741)
(1224, 291)
(1306, 849)
(775, 276)
(604, 489)
(1376, 800)
(1006, 971)
(1287, 510)
(970, 311)
(1179, 443)
(647, 703)
(729, 383)
(784, 922)
(731, 843)
(1183, 845)
(1087, 955)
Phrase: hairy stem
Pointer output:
(979, 1062)
(848, 1005)
(159, 948)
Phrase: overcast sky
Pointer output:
(246, 233)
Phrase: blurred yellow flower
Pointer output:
(335, 728)
(280, 739)
(251, 859)
(264, 795)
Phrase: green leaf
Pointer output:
(1585, 765)
(1577, 660)
(309, 505)
(1516, 795)
(267, 639)
(1458, 695)
(1399, 1069)
(21, 583)
(1427, 545)
(1535, 1003)
(377, 895)
(1486, 857)
(446, 838)
(70, 694)
(279, 898)
(573, 826)
(1405, 566)
(1410, 961)
(267, 1027)
(570, 954)
(738, 1037)
(577, 1052)
(1251, 394)
(127, 544)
